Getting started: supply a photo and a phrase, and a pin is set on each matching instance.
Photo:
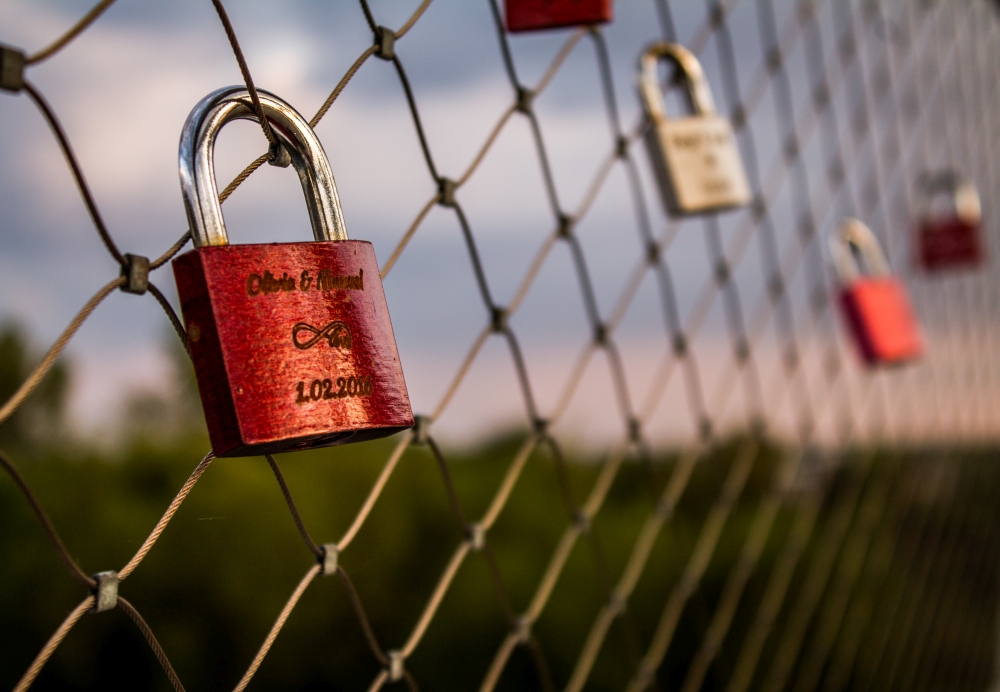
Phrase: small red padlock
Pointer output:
(950, 237)
(875, 306)
(291, 342)
(533, 15)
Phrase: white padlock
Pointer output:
(695, 158)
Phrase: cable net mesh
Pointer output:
(862, 556)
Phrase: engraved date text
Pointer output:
(340, 388)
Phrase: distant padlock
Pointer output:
(532, 15)
(875, 305)
(291, 342)
(695, 159)
(949, 237)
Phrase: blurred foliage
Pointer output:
(38, 419)
(214, 583)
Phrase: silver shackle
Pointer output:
(854, 233)
(688, 73)
(963, 194)
(197, 163)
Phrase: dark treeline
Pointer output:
(218, 577)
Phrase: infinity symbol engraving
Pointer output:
(336, 334)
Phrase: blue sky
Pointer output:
(124, 88)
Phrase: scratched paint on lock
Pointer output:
(302, 334)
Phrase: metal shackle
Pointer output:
(197, 163)
(854, 233)
(963, 194)
(688, 72)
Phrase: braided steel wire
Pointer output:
(842, 540)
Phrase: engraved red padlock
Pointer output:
(949, 237)
(876, 306)
(532, 15)
(291, 342)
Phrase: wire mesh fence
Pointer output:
(817, 524)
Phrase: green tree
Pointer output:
(41, 415)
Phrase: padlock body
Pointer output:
(949, 242)
(879, 315)
(292, 345)
(697, 165)
(533, 15)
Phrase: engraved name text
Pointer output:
(324, 280)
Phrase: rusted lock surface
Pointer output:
(695, 159)
(949, 236)
(291, 342)
(532, 15)
(876, 306)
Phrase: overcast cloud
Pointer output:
(124, 88)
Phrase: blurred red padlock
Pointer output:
(291, 342)
(949, 237)
(876, 306)
(533, 15)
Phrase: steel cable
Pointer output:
(852, 528)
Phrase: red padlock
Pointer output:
(532, 15)
(875, 306)
(291, 342)
(950, 237)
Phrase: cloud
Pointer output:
(123, 91)
(124, 88)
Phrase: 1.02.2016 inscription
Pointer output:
(327, 388)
